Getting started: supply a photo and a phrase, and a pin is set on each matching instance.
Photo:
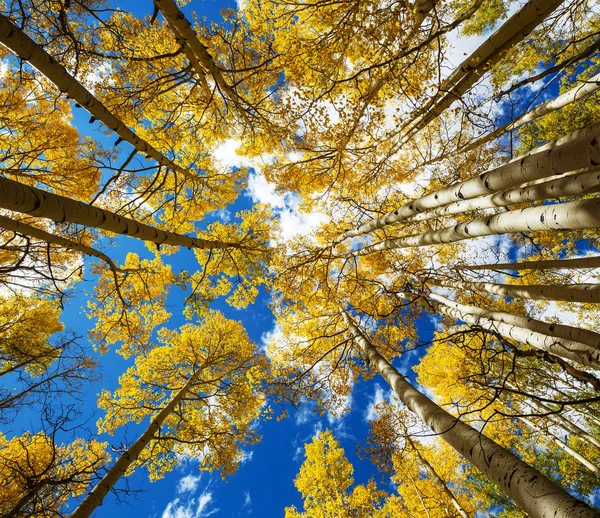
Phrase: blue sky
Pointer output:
(263, 486)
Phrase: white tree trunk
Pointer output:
(94, 498)
(473, 316)
(579, 92)
(562, 445)
(559, 264)
(445, 487)
(567, 292)
(534, 493)
(574, 215)
(35, 202)
(579, 150)
(567, 333)
(27, 49)
(200, 56)
(572, 185)
(469, 72)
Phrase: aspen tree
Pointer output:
(537, 495)
(209, 373)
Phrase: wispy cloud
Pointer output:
(189, 504)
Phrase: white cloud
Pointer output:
(274, 336)
(189, 483)
(284, 206)
(247, 506)
(188, 504)
(193, 508)
(377, 398)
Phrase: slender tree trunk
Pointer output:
(560, 420)
(35, 202)
(537, 496)
(568, 349)
(562, 445)
(37, 233)
(469, 72)
(28, 230)
(580, 92)
(445, 487)
(579, 150)
(94, 498)
(419, 496)
(569, 334)
(560, 264)
(567, 292)
(587, 52)
(575, 215)
(572, 185)
(24, 47)
(199, 57)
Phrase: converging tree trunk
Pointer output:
(94, 498)
(24, 47)
(579, 150)
(565, 292)
(507, 325)
(550, 264)
(35, 202)
(534, 493)
(559, 216)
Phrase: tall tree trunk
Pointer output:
(568, 349)
(560, 420)
(94, 498)
(566, 293)
(566, 333)
(572, 185)
(469, 72)
(24, 47)
(35, 202)
(579, 150)
(534, 493)
(200, 56)
(441, 481)
(560, 264)
(573, 215)
(580, 92)
(562, 445)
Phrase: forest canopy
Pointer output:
(211, 224)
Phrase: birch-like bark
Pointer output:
(537, 496)
(27, 49)
(35, 202)
(515, 29)
(441, 481)
(568, 349)
(565, 292)
(574, 215)
(94, 498)
(580, 92)
(201, 58)
(560, 420)
(564, 332)
(563, 446)
(579, 150)
(572, 185)
(551, 264)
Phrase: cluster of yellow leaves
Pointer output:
(325, 480)
(144, 286)
(26, 324)
(37, 476)
(215, 418)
